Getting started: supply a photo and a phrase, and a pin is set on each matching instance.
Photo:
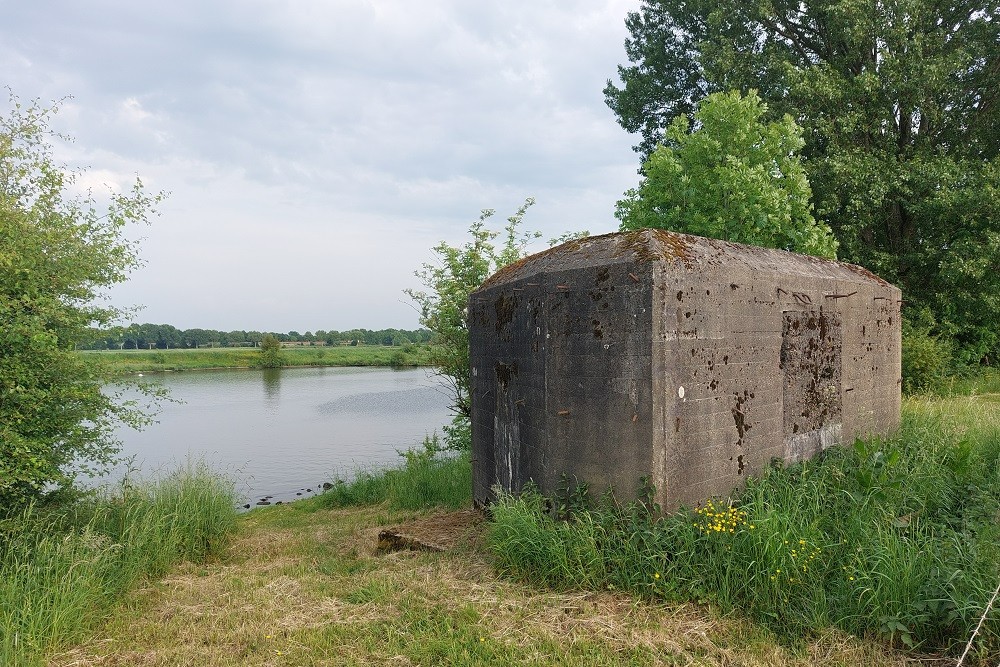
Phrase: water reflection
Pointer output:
(272, 383)
(280, 431)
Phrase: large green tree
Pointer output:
(58, 253)
(731, 176)
(899, 105)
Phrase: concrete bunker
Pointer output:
(686, 361)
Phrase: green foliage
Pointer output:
(270, 353)
(731, 177)
(444, 305)
(428, 478)
(58, 254)
(64, 567)
(898, 102)
(896, 538)
(926, 358)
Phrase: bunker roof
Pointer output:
(693, 253)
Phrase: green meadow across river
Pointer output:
(143, 361)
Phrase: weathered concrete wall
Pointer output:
(761, 354)
(561, 366)
(690, 361)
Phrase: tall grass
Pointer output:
(63, 568)
(898, 538)
(984, 382)
(429, 477)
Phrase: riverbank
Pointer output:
(152, 361)
(395, 568)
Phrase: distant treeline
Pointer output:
(165, 336)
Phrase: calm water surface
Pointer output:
(279, 432)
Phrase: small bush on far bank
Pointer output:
(270, 353)
(63, 567)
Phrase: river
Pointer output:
(282, 433)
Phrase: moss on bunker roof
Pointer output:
(683, 251)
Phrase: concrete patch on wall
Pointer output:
(811, 397)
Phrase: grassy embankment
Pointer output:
(838, 561)
(66, 567)
(149, 361)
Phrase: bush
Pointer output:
(730, 174)
(59, 254)
(926, 359)
(270, 353)
(460, 270)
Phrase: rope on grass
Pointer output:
(975, 632)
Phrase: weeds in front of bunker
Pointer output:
(897, 538)
(430, 476)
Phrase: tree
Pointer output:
(270, 352)
(58, 254)
(445, 303)
(731, 177)
(900, 106)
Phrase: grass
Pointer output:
(148, 361)
(426, 479)
(896, 539)
(304, 584)
(64, 569)
(984, 383)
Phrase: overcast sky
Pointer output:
(315, 150)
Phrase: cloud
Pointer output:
(311, 143)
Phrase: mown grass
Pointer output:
(149, 361)
(64, 568)
(305, 584)
(897, 539)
